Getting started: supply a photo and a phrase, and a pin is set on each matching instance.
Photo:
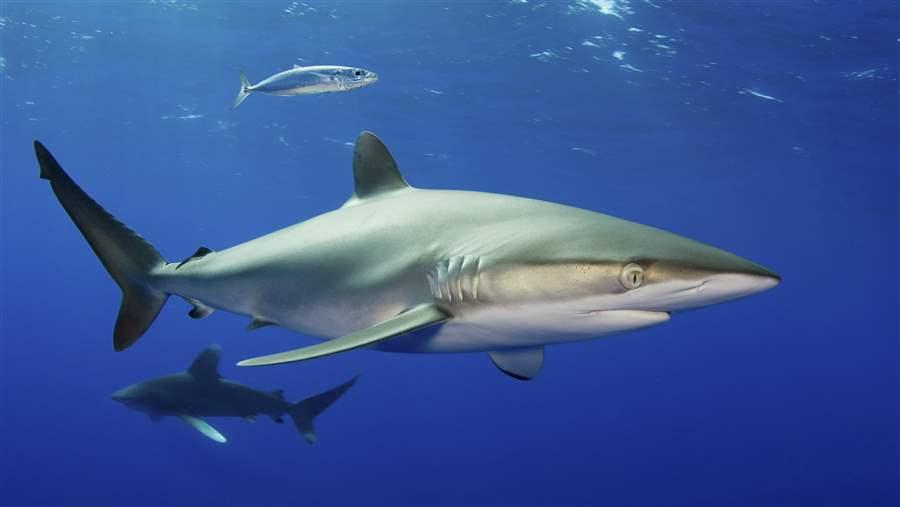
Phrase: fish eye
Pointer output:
(632, 276)
(357, 72)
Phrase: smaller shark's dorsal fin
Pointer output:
(374, 170)
(206, 364)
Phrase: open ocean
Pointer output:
(766, 128)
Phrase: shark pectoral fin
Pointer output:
(406, 322)
(201, 426)
(520, 363)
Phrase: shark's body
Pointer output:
(308, 81)
(413, 270)
(202, 392)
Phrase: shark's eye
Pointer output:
(632, 276)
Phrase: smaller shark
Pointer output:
(307, 81)
(202, 392)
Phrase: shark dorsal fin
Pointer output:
(374, 170)
(206, 364)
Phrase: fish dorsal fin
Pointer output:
(374, 170)
(206, 365)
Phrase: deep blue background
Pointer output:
(786, 398)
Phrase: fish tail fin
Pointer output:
(243, 92)
(128, 257)
(305, 411)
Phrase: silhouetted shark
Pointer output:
(202, 392)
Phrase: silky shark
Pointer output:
(202, 392)
(405, 269)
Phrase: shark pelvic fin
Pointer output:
(204, 428)
(258, 322)
(374, 170)
(407, 322)
(206, 365)
(520, 363)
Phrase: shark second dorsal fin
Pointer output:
(206, 364)
(199, 254)
(374, 170)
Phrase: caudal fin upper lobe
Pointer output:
(128, 257)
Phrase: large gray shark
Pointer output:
(405, 269)
(202, 392)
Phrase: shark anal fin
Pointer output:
(519, 363)
(257, 323)
(206, 365)
(406, 322)
(204, 428)
(198, 310)
(199, 254)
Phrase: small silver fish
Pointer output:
(308, 81)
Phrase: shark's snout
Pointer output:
(727, 286)
(126, 395)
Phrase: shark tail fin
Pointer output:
(305, 411)
(128, 257)
(243, 93)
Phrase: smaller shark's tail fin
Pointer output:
(243, 92)
(127, 257)
(305, 411)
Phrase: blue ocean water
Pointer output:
(768, 129)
